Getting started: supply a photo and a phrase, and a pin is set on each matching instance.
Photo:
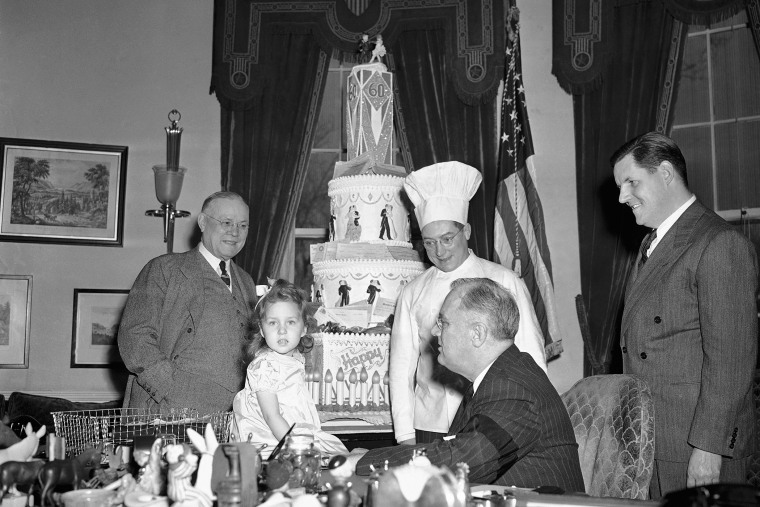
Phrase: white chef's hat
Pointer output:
(442, 191)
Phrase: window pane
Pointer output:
(314, 207)
(748, 73)
(727, 166)
(327, 133)
(695, 146)
(749, 163)
(739, 18)
(693, 99)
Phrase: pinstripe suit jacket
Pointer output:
(689, 329)
(515, 431)
(162, 326)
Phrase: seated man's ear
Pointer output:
(479, 334)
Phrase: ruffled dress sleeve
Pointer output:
(264, 374)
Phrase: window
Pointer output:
(717, 117)
(329, 146)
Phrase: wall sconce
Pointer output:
(168, 181)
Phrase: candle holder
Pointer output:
(168, 181)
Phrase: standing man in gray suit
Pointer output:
(186, 320)
(689, 326)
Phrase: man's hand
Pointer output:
(704, 468)
(353, 458)
(408, 441)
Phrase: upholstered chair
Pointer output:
(613, 419)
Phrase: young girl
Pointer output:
(275, 394)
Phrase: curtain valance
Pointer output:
(582, 31)
(474, 42)
(703, 12)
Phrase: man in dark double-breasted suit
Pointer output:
(511, 428)
(187, 316)
(689, 326)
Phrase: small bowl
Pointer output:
(88, 498)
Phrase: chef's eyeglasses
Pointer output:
(445, 241)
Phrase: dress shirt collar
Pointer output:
(668, 223)
(214, 262)
(481, 375)
(453, 275)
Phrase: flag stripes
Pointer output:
(519, 229)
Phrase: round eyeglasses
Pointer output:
(229, 225)
(445, 241)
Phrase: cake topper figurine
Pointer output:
(379, 50)
(370, 51)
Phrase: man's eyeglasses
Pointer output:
(229, 225)
(441, 324)
(445, 241)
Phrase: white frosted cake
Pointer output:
(359, 273)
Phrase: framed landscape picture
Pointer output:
(15, 320)
(97, 314)
(59, 192)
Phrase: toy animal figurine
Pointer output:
(182, 464)
(206, 445)
(69, 472)
(18, 473)
(26, 448)
(151, 477)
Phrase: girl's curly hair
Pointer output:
(281, 291)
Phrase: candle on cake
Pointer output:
(352, 378)
(340, 394)
(363, 387)
(376, 389)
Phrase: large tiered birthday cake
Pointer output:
(369, 258)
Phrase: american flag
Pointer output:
(519, 233)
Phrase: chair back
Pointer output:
(613, 420)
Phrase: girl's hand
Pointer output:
(270, 408)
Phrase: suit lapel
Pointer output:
(463, 412)
(670, 248)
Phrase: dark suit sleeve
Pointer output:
(139, 332)
(727, 287)
(501, 432)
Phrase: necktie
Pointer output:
(225, 276)
(648, 239)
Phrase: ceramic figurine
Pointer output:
(26, 448)
(182, 465)
(206, 445)
(69, 472)
(18, 473)
(151, 478)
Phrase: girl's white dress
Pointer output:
(286, 377)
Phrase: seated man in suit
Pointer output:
(511, 427)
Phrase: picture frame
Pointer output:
(62, 192)
(15, 320)
(97, 313)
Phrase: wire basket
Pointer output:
(119, 426)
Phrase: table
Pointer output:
(528, 498)
(357, 433)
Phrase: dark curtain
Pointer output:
(266, 142)
(626, 90)
(444, 126)
(623, 106)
